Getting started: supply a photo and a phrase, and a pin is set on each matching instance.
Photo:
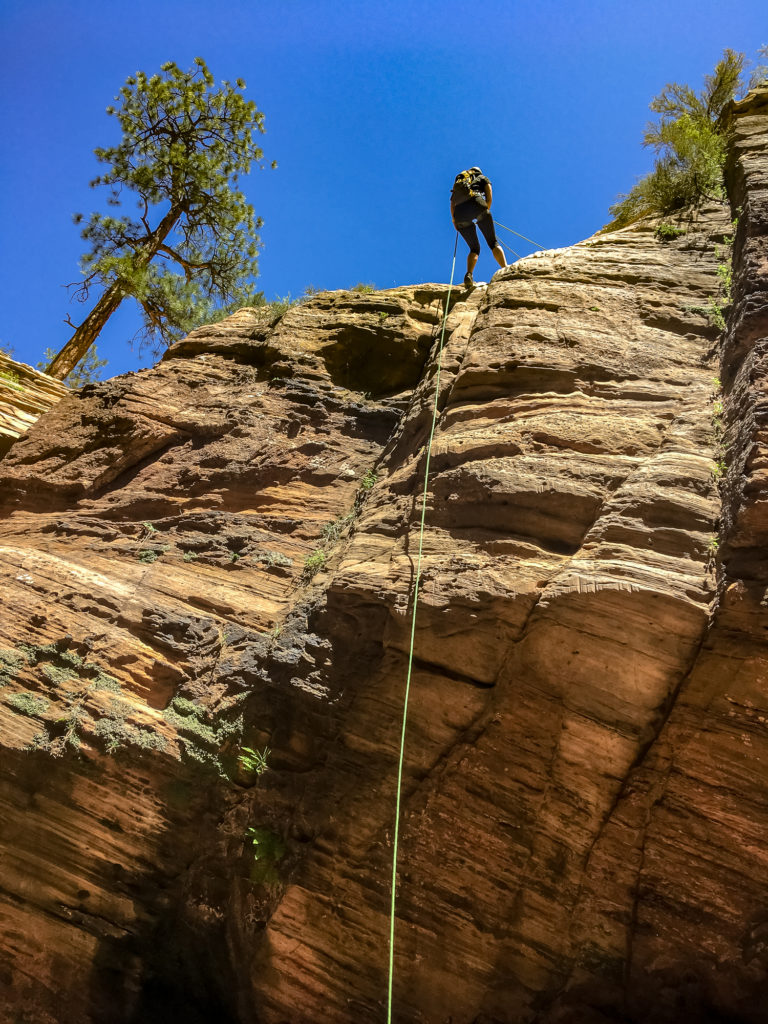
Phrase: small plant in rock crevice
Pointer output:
(254, 761)
(30, 704)
(150, 555)
(10, 663)
(202, 734)
(718, 431)
(332, 532)
(668, 232)
(369, 479)
(10, 379)
(267, 849)
(313, 563)
(717, 304)
(715, 313)
(77, 682)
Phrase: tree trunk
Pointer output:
(85, 335)
(67, 359)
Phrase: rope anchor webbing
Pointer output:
(517, 254)
(413, 637)
(524, 237)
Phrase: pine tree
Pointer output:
(192, 245)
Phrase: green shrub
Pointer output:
(10, 663)
(149, 555)
(369, 479)
(361, 286)
(715, 313)
(279, 307)
(30, 704)
(690, 145)
(270, 558)
(314, 563)
(105, 682)
(117, 733)
(201, 740)
(666, 232)
(332, 531)
(10, 379)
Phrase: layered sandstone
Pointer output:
(219, 554)
(25, 394)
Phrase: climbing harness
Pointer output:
(499, 225)
(413, 638)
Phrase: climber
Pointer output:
(471, 198)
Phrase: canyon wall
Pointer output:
(210, 565)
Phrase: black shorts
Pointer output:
(465, 214)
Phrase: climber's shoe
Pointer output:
(468, 282)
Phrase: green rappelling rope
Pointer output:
(410, 652)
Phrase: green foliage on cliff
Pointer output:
(10, 379)
(689, 139)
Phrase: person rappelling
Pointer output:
(471, 198)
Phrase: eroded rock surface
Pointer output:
(219, 554)
(24, 395)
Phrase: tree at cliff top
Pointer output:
(690, 142)
(759, 75)
(192, 244)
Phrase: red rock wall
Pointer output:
(584, 792)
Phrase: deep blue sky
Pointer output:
(371, 109)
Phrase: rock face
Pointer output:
(211, 564)
(24, 395)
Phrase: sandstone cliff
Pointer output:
(219, 553)
(24, 395)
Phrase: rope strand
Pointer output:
(510, 248)
(410, 652)
(499, 225)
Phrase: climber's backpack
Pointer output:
(468, 185)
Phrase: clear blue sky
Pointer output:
(371, 109)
